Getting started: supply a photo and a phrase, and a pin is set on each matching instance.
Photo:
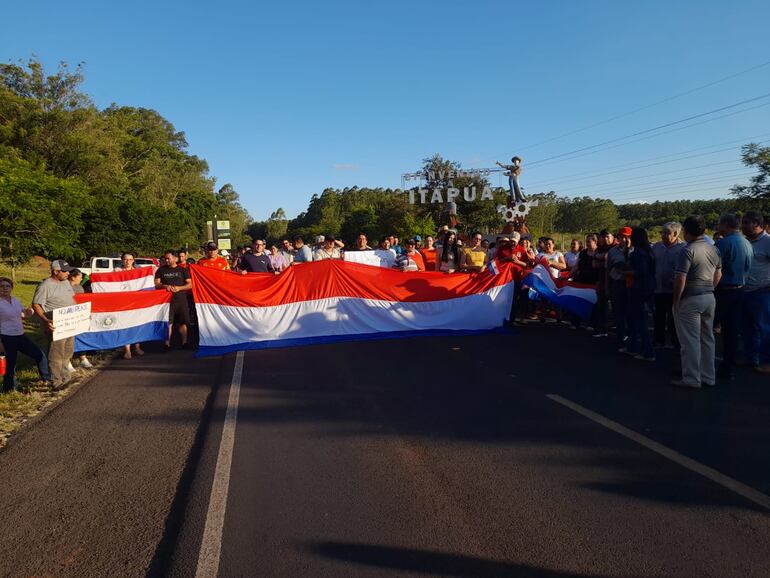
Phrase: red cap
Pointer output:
(624, 232)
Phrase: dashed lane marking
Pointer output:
(725, 481)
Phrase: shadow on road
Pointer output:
(429, 562)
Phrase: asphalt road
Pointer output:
(445, 456)
(434, 456)
(90, 489)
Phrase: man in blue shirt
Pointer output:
(756, 302)
(737, 256)
(303, 253)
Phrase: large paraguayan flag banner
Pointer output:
(577, 300)
(138, 279)
(119, 319)
(334, 300)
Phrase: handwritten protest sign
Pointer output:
(378, 257)
(71, 320)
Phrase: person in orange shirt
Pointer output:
(428, 253)
(411, 259)
(212, 259)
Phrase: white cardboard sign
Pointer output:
(71, 320)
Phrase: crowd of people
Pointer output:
(689, 284)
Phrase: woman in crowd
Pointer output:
(585, 273)
(76, 280)
(487, 246)
(277, 259)
(450, 256)
(572, 256)
(128, 265)
(553, 258)
(640, 284)
(12, 338)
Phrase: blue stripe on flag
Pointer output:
(540, 280)
(97, 340)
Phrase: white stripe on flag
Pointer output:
(222, 325)
(116, 320)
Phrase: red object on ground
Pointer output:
(2, 365)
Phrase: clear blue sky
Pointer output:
(285, 99)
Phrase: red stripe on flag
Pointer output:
(335, 278)
(137, 273)
(124, 301)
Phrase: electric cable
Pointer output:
(653, 129)
(646, 107)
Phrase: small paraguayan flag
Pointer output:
(492, 267)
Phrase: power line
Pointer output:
(660, 133)
(669, 185)
(630, 166)
(654, 104)
(649, 130)
(689, 179)
(700, 192)
(647, 176)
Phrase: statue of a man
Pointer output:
(514, 170)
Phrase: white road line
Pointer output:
(211, 545)
(705, 471)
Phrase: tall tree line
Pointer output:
(77, 181)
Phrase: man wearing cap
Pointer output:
(52, 293)
(212, 260)
(410, 259)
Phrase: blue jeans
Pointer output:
(619, 298)
(639, 337)
(756, 326)
(729, 315)
(15, 344)
(515, 191)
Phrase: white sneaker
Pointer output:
(84, 363)
(70, 368)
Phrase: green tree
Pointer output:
(759, 157)
(542, 218)
(277, 225)
(230, 208)
(585, 215)
(39, 213)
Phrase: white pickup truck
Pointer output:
(109, 264)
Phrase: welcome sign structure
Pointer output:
(509, 212)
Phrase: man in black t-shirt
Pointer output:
(258, 261)
(175, 279)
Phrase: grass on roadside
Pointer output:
(29, 399)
